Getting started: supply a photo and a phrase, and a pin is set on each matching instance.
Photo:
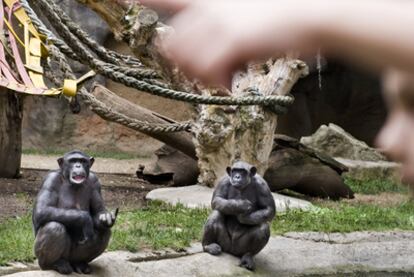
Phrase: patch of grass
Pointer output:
(96, 154)
(16, 240)
(158, 226)
(375, 186)
(346, 218)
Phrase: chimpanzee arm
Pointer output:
(266, 204)
(97, 205)
(221, 203)
(46, 210)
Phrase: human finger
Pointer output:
(201, 49)
(170, 5)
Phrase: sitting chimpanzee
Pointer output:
(242, 207)
(71, 223)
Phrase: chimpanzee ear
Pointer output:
(60, 162)
(91, 161)
(228, 170)
(253, 171)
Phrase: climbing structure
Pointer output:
(239, 125)
(24, 73)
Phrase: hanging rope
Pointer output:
(103, 110)
(54, 14)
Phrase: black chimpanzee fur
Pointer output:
(242, 207)
(71, 223)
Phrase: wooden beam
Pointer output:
(181, 141)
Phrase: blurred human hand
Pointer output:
(397, 135)
(213, 38)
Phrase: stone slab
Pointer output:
(295, 254)
(198, 196)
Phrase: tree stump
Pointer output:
(226, 134)
(222, 134)
(11, 107)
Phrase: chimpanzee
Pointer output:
(71, 224)
(242, 207)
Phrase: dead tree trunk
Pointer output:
(245, 133)
(181, 141)
(223, 134)
(10, 134)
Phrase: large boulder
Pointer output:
(363, 162)
(334, 141)
(297, 167)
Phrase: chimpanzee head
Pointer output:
(241, 174)
(75, 166)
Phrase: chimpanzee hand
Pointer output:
(244, 218)
(107, 219)
(245, 206)
(87, 228)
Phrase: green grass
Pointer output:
(375, 186)
(96, 154)
(160, 226)
(346, 218)
(155, 226)
(16, 240)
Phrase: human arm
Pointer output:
(214, 37)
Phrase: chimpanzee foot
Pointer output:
(62, 266)
(213, 249)
(247, 262)
(82, 268)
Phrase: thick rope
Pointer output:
(53, 12)
(103, 110)
(105, 54)
(132, 71)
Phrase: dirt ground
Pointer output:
(128, 192)
(16, 195)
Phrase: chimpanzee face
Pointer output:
(75, 167)
(240, 175)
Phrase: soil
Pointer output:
(118, 190)
(127, 192)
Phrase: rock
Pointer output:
(334, 141)
(367, 170)
(295, 254)
(198, 196)
(169, 166)
(297, 167)
(294, 170)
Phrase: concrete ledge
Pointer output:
(296, 254)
